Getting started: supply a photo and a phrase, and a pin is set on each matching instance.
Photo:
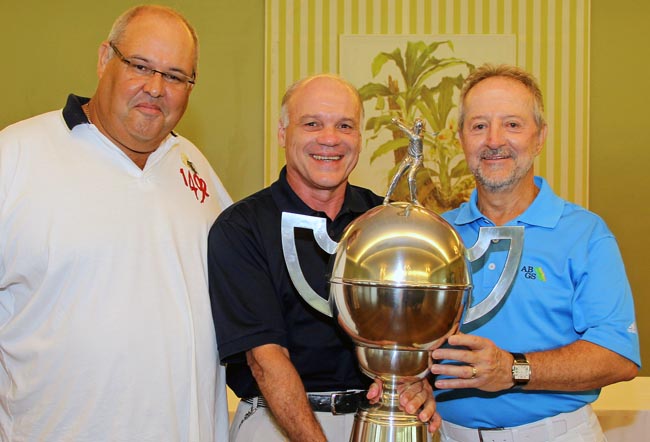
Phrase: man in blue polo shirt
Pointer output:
(285, 359)
(529, 371)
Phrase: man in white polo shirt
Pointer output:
(105, 325)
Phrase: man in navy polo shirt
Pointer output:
(567, 328)
(283, 357)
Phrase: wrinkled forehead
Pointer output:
(499, 93)
(327, 96)
(160, 36)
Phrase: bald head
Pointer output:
(319, 78)
(121, 24)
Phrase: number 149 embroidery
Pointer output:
(196, 184)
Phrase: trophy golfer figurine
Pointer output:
(413, 160)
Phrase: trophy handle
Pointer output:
(319, 225)
(485, 237)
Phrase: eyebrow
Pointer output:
(320, 117)
(485, 117)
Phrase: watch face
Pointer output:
(521, 372)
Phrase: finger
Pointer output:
(470, 341)
(453, 354)
(452, 370)
(428, 409)
(412, 404)
(410, 390)
(374, 392)
(458, 376)
(434, 423)
(418, 395)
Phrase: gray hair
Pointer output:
(284, 110)
(123, 21)
(507, 71)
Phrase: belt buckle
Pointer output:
(346, 401)
(488, 437)
(334, 398)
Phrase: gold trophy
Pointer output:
(399, 286)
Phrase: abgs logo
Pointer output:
(531, 272)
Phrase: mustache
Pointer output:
(494, 154)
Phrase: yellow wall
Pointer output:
(48, 49)
(620, 140)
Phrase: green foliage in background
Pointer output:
(444, 180)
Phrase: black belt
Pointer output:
(341, 402)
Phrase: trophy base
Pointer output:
(376, 424)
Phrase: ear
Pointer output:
(103, 56)
(281, 133)
(541, 139)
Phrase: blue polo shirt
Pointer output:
(571, 285)
(254, 301)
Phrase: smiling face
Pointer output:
(322, 137)
(135, 111)
(500, 136)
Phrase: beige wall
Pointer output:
(48, 49)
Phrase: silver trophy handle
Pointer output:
(291, 221)
(319, 225)
(485, 236)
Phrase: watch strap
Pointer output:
(519, 358)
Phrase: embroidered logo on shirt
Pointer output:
(193, 181)
(632, 328)
(531, 272)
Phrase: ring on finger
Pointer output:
(474, 372)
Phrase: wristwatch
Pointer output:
(520, 370)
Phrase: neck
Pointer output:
(504, 206)
(139, 157)
(328, 201)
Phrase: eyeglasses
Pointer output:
(137, 68)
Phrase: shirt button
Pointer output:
(492, 266)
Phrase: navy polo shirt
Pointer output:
(254, 301)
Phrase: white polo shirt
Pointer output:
(106, 332)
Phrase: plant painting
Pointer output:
(426, 87)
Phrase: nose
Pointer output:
(495, 138)
(154, 85)
(328, 136)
